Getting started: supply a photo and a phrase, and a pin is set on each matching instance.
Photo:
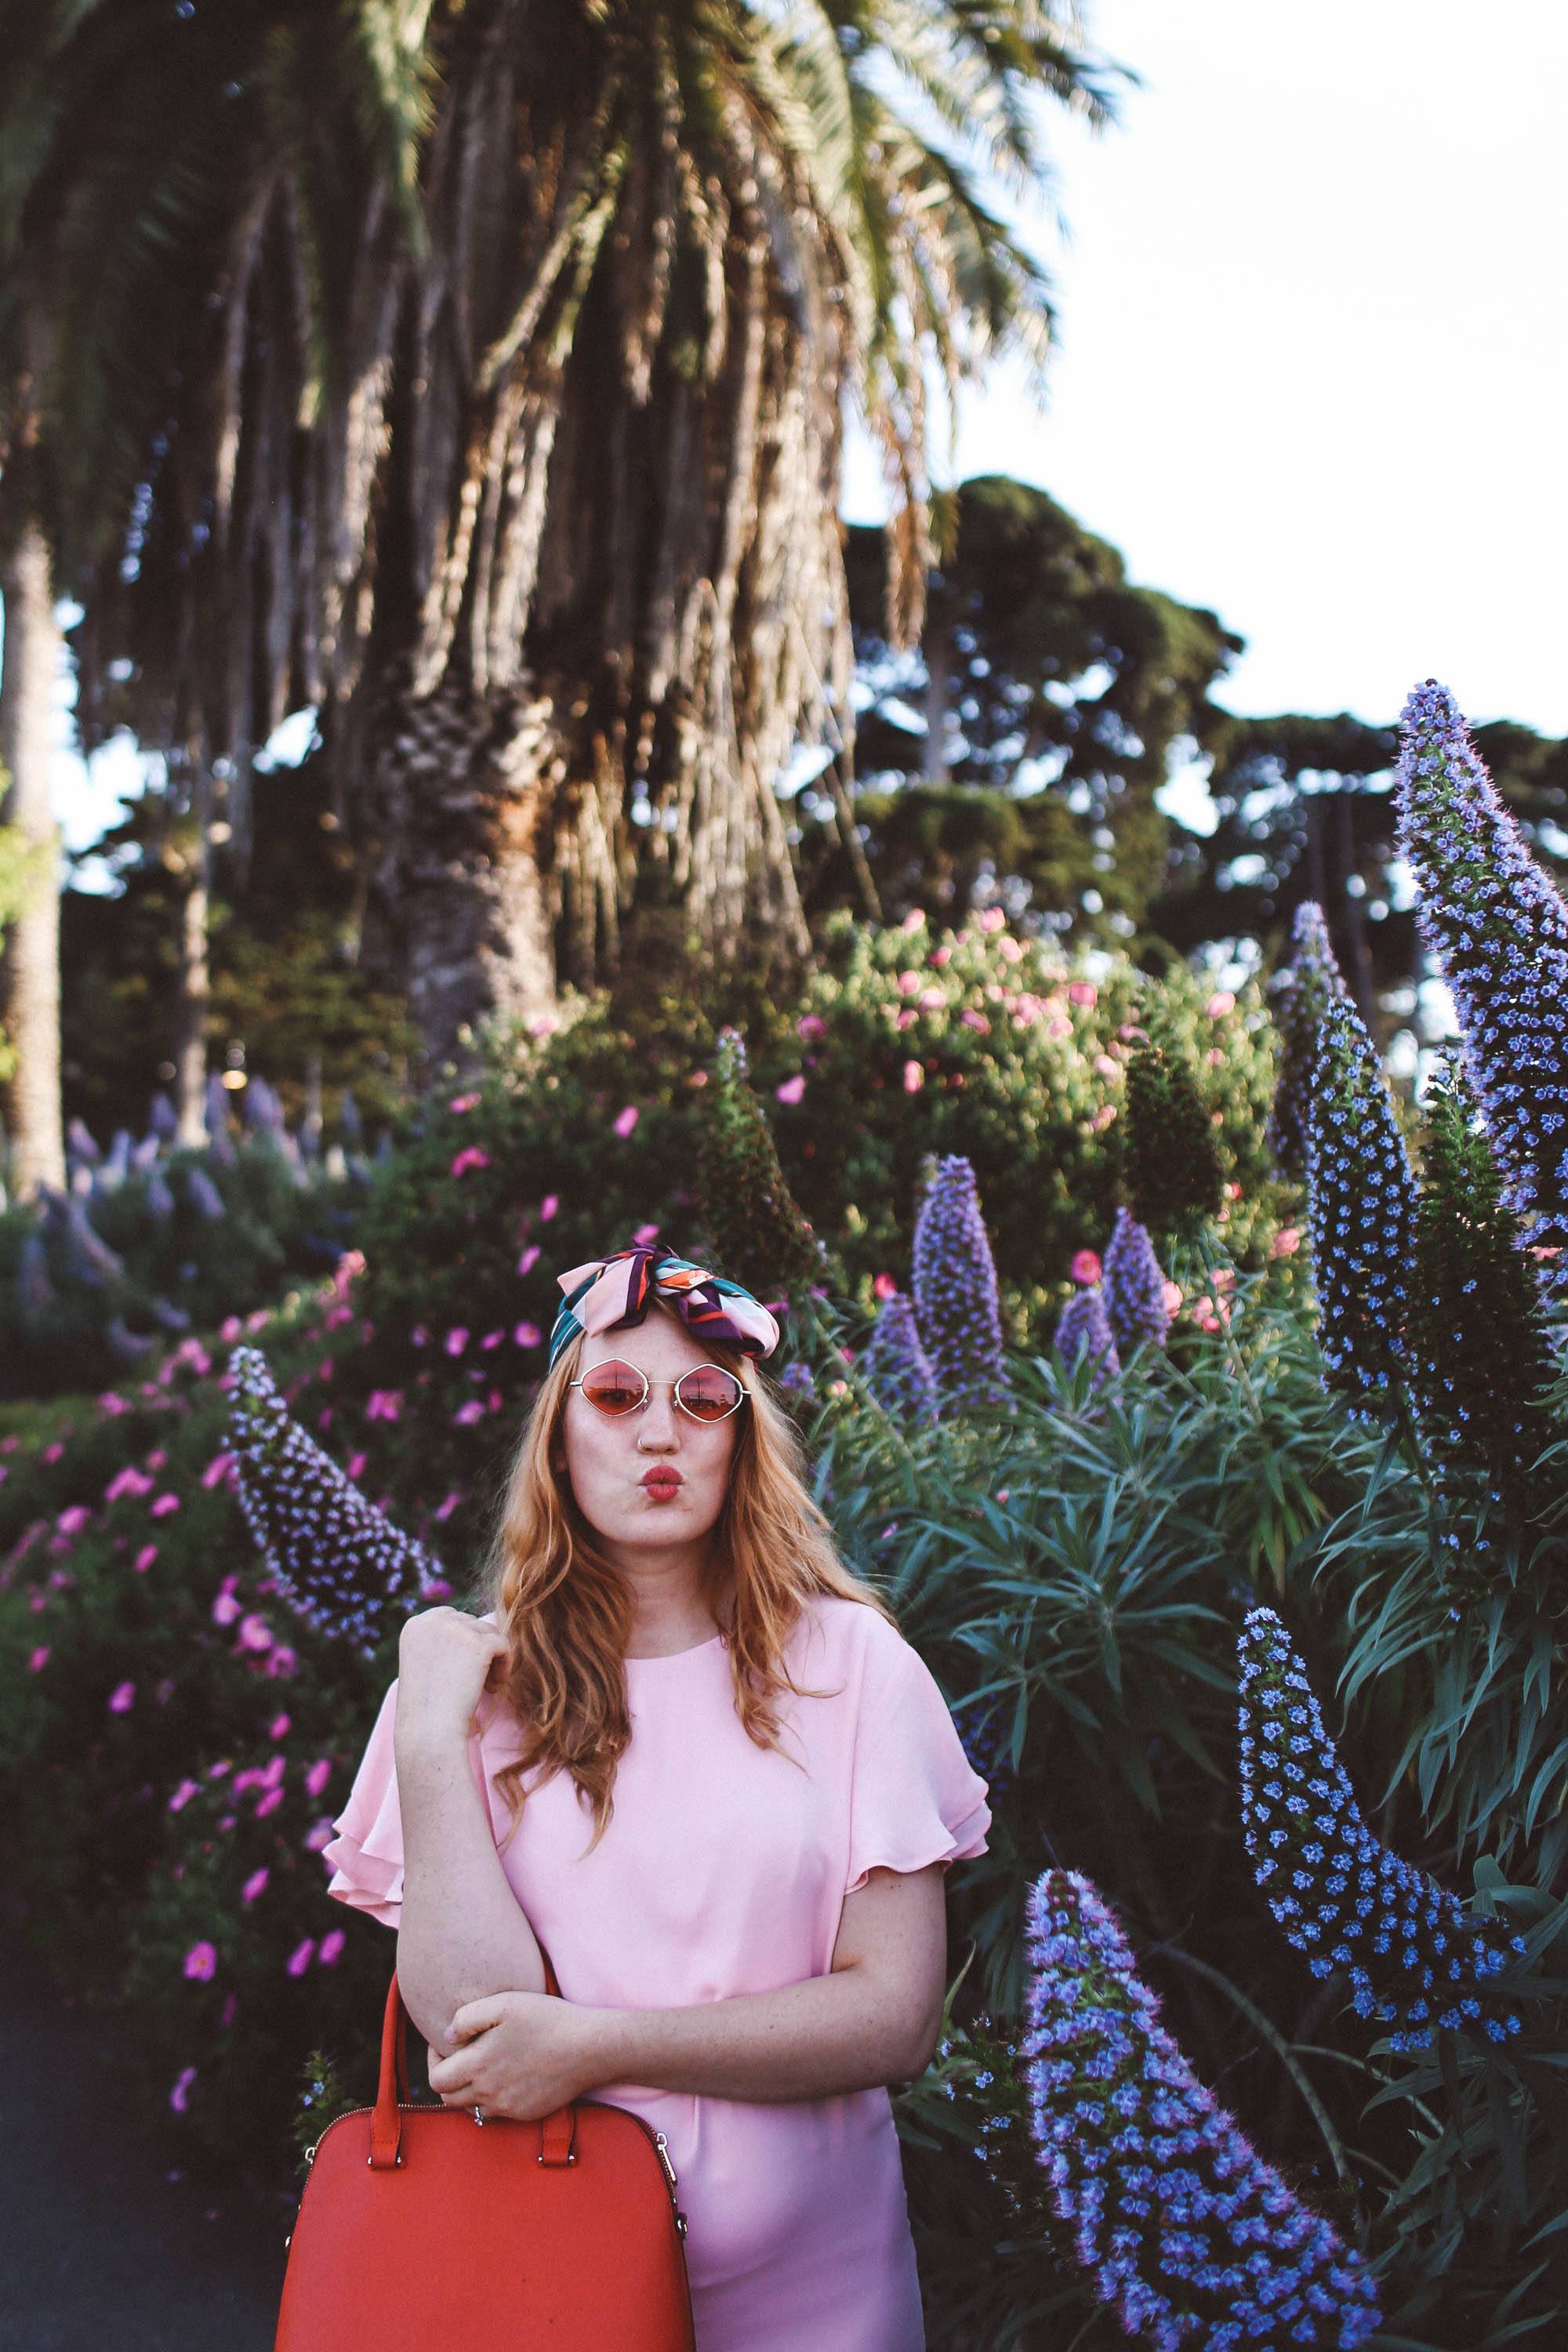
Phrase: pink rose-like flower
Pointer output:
(473, 1155)
(1286, 1243)
(908, 983)
(810, 1027)
(941, 956)
(201, 1962)
(792, 1089)
(548, 1207)
(972, 1020)
(914, 1077)
(526, 1334)
(225, 1609)
(1106, 1065)
(229, 1329)
(253, 1885)
(161, 1508)
(914, 920)
(1221, 1002)
(907, 1018)
(1010, 950)
(38, 1660)
(181, 1799)
(456, 1339)
(329, 1947)
(931, 999)
(1083, 991)
(122, 1698)
(179, 2097)
(280, 1660)
(316, 1777)
(991, 919)
(255, 1634)
(626, 1120)
(463, 1102)
(1085, 1266)
(528, 1259)
(1173, 1297)
(884, 1287)
(299, 1958)
(1103, 1117)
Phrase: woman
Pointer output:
(690, 1752)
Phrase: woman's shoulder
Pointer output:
(851, 1632)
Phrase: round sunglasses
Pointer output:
(707, 1392)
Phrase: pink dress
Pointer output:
(724, 1870)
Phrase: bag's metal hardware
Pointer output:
(662, 2146)
(680, 2222)
(540, 2159)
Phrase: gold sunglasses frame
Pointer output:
(674, 1386)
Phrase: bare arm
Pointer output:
(462, 1932)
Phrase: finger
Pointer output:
(477, 2017)
(449, 2073)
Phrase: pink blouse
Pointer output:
(723, 1872)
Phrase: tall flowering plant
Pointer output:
(1500, 931)
(895, 1365)
(1083, 1328)
(1134, 1284)
(343, 1565)
(1362, 1207)
(956, 1300)
(1186, 2232)
(1303, 989)
(1415, 1958)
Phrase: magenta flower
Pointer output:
(627, 1120)
(526, 1334)
(528, 1259)
(464, 1102)
(456, 1339)
(73, 1518)
(255, 1633)
(645, 1236)
(810, 1027)
(467, 1415)
(269, 1803)
(129, 1481)
(282, 1660)
(1086, 1267)
(548, 1207)
(1084, 993)
(792, 1089)
(144, 1558)
(121, 1697)
(492, 1339)
(320, 1773)
(332, 1945)
(254, 1885)
(38, 1660)
(278, 1728)
(201, 1961)
(914, 1077)
(299, 1958)
(181, 2093)
(216, 1469)
(473, 1155)
(162, 1507)
(883, 1287)
(225, 1609)
(444, 1510)
(318, 1836)
(383, 1404)
(181, 1799)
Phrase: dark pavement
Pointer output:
(100, 2250)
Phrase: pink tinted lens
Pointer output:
(614, 1387)
(708, 1392)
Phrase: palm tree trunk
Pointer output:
(31, 666)
(195, 980)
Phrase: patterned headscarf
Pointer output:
(604, 1292)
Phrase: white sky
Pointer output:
(1311, 364)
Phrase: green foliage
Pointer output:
(761, 1236)
(1171, 1166)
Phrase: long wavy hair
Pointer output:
(567, 1611)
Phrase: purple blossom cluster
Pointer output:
(1187, 2232)
(956, 1300)
(1133, 1282)
(1083, 1328)
(1362, 1207)
(1416, 1957)
(1500, 930)
(341, 1565)
(895, 1365)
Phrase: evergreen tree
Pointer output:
(1170, 1170)
(760, 1235)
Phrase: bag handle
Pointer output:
(557, 2132)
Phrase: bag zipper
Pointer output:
(421, 2107)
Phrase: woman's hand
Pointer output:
(447, 1660)
(522, 2054)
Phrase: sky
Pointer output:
(1311, 365)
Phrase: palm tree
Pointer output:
(504, 424)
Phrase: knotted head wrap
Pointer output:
(604, 1292)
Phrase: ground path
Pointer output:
(100, 2250)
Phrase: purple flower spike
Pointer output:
(1362, 1207)
(1414, 1957)
(344, 1568)
(1133, 1282)
(896, 1370)
(1187, 2232)
(956, 1302)
(1083, 1328)
(1500, 931)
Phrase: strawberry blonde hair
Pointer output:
(567, 1612)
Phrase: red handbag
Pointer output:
(422, 2231)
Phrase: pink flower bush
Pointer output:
(467, 1415)
(1173, 1299)
(218, 1467)
(1221, 1002)
(1286, 1242)
(129, 1481)
(73, 1518)
(225, 1608)
(278, 1728)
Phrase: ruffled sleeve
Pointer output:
(914, 1797)
(365, 1857)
